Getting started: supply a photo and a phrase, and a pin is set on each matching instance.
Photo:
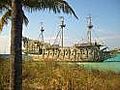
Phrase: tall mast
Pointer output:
(41, 36)
(62, 26)
(90, 26)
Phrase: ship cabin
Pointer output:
(90, 51)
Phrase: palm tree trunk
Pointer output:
(16, 46)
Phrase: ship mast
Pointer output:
(90, 26)
(41, 36)
(62, 26)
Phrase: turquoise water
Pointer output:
(112, 64)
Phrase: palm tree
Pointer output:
(5, 5)
(13, 8)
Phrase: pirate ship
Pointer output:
(90, 51)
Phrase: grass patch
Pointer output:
(57, 76)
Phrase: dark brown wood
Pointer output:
(16, 46)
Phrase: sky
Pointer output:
(105, 18)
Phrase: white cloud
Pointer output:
(4, 44)
(111, 37)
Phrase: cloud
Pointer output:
(111, 37)
(106, 31)
(4, 44)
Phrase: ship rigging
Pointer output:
(82, 52)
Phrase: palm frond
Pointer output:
(4, 19)
(55, 5)
(4, 5)
(69, 9)
(25, 19)
(34, 5)
(2, 8)
(7, 15)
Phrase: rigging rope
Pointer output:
(56, 37)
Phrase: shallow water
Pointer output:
(112, 64)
